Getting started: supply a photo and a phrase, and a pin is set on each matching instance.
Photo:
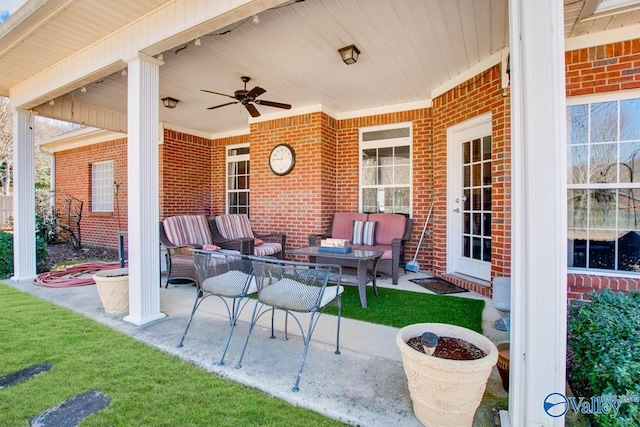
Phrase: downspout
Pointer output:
(52, 181)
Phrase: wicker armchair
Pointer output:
(233, 231)
(179, 235)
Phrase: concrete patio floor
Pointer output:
(365, 385)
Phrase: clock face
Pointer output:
(282, 159)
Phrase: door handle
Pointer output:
(457, 210)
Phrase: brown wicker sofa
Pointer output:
(390, 232)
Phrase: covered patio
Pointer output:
(108, 65)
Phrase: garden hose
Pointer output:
(75, 275)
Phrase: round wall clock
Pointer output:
(282, 159)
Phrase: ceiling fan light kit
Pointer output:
(248, 99)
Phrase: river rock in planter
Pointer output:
(445, 392)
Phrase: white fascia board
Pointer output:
(485, 64)
(386, 109)
(602, 38)
(80, 138)
(315, 108)
(150, 34)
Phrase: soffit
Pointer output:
(408, 49)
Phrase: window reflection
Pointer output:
(603, 200)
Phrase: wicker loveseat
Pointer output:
(383, 232)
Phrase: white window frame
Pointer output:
(234, 159)
(591, 99)
(385, 143)
(102, 186)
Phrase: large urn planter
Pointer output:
(113, 289)
(445, 392)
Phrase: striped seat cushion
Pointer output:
(267, 249)
(234, 226)
(187, 229)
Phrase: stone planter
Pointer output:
(113, 289)
(445, 392)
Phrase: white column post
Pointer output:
(24, 211)
(539, 237)
(142, 169)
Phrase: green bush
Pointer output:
(604, 336)
(6, 254)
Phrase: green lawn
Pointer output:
(401, 308)
(147, 387)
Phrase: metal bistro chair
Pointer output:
(295, 287)
(226, 276)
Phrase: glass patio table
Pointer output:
(359, 256)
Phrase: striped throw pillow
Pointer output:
(364, 233)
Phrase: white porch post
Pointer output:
(142, 167)
(539, 238)
(24, 211)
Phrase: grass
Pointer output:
(147, 387)
(401, 308)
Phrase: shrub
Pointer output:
(6, 254)
(604, 336)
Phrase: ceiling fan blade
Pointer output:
(218, 93)
(255, 92)
(252, 110)
(222, 105)
(273, 104)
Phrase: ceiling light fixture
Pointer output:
(84, 89)
(256, 19)
(123, 72)
(52, 102)
(161, 57)
(349, 54)
(198, 43)
(169, 102)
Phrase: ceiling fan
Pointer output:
(248, 99)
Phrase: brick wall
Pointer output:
(295, 203)
(186, 162)
(73, 178)
(477, 96)
(606, 68)
(591, 71)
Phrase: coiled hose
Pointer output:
(75, 275)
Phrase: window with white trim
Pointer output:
(238, 179)
(385, 169)
(603, 172)
(102, 186)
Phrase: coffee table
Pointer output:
(361, 257)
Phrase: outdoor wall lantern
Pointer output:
(169, 102)
(349, 54)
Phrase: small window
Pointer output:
(102, 187)
(238, 179)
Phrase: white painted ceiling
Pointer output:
(409, 49)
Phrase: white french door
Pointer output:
(469, 198)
